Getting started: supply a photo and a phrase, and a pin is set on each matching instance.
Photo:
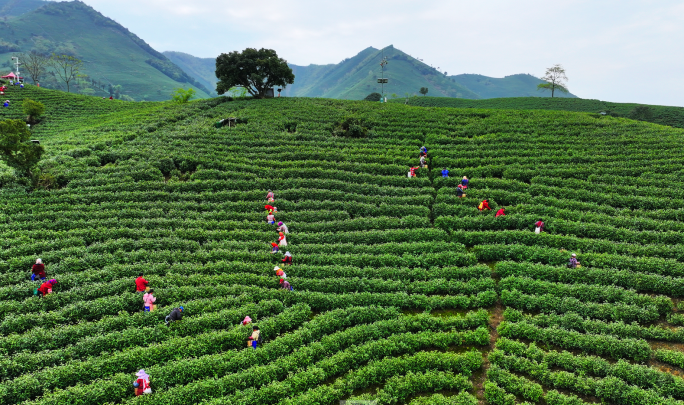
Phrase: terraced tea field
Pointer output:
(403, 293)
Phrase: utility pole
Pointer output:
(16, 72)
(382, 80)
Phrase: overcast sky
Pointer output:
(614, 50)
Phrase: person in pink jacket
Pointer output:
(149, 300)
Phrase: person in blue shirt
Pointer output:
(445, 172)
(465, 182)
(423, 150)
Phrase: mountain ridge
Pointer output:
(76, 29)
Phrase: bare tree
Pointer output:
(555, 79)
(67, 67)
(36, 64)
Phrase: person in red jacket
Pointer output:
(142, 383)
(500, 213)
(539, 226)
(46, 287)
(140, 283)
(484, 205)
(38, 270)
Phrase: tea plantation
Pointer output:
(403, 293)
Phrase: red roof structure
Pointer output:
(11, 76)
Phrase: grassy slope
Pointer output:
(520, 85)
(664, 115)
(202, 69)
(110, 56)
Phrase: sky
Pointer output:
(621, 51)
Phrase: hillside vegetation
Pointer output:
(112, 55)
(403, 293)
(520, 85)
(663, 115)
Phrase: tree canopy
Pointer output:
(182, 96)
(254, 70)
(373, 97)
(555, 79)
(16, 148)
(423, 91)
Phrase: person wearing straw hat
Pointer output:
(279, 272)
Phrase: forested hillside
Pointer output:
(113, 56)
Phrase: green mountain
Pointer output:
(202, 70)
(356, 77)
(112, 55)
(520, 85)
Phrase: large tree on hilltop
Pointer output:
(555, 79)
(254, 70)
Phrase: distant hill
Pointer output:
(14, 8)
(520, 85)
(356, 77)
(201, 69)
(657, 114)
(112, 55)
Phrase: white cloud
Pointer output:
(616, 50)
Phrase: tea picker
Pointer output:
(270, 196)
(279, 272)
(46, 287)
(38, 271)
(148, 301)
(282, 228)
(175, 315)
(141, 284)
(539, 226)
(500, 213)
(288, 258)
(445, 172)
(255, 338)
(573, 263)
(484, 205)
(142, 384)
(285, 285)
